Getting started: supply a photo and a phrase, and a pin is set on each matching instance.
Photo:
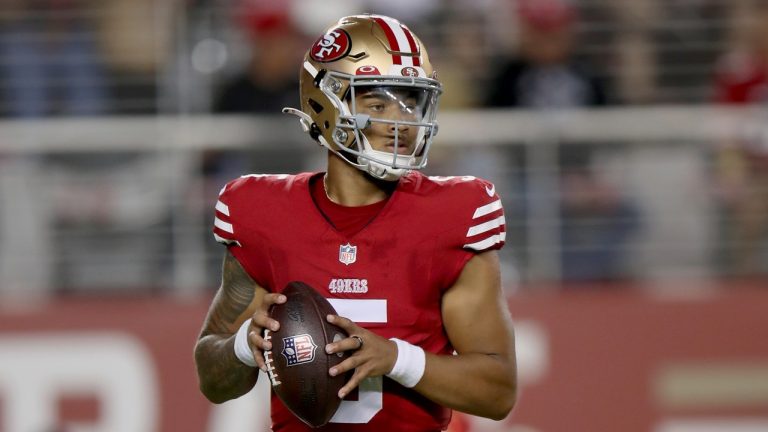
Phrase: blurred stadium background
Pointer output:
(628, 139)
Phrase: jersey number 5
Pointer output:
(370, 398)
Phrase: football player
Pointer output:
(409, 261)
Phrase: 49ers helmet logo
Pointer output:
(331, 46)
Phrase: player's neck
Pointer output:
(348, 186)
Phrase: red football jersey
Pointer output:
(389, 277)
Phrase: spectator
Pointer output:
(51, 62)
(596, 219)
(267, 85)
(137, 40)
(544, 73)
(50, 66)
(269, 82)
(597, 222)
(741, 164)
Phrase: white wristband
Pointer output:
(410, 364)
(242, 348)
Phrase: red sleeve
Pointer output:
(232, 227)
(477, 224)
(486, 228)
(224, 229)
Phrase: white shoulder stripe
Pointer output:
(221, 239)
(224, 226)
(223, 208)
(486, 209)
(486, 226)
(490, 241)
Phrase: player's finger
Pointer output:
(345, 323)
(347, 365)
(262, 320)
(258, 344)
(261, 317)
(259, 358)
(351, 343)
(258, 341)
(273, 298)
(353, 382)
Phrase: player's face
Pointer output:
(395, 105)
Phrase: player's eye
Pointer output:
(376, 107)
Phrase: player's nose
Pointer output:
(399, 127)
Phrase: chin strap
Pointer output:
(304, 118)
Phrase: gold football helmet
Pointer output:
(369, 94)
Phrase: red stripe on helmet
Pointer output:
(412, 43)
(393, 45)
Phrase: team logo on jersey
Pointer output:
(490, 190)
(331, 46)
(347, 254)
(348, 286)
(299, 349)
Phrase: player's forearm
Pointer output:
(479, 384)
(221, 375)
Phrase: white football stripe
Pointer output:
(486, 226)
(402, 40)
(223, 208)
(361, 310)
(486, 209)
(224, 226)
(490, 241)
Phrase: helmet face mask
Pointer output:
(391, 123)
(382, 124)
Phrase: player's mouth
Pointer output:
(402, 148)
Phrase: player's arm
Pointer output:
(222, 376)
(480, 380)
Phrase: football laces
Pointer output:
(269, 360)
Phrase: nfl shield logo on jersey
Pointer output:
(298, 349)
(347, 254)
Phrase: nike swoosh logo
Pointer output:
(490, 190)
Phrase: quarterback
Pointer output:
(408, 261)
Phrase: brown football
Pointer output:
(297, 363)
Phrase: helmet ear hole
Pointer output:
(326, 124)
(316, 107)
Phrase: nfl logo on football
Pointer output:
(347, 254)
(298, 349)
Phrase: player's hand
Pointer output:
(372, 355)
(260, 320)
